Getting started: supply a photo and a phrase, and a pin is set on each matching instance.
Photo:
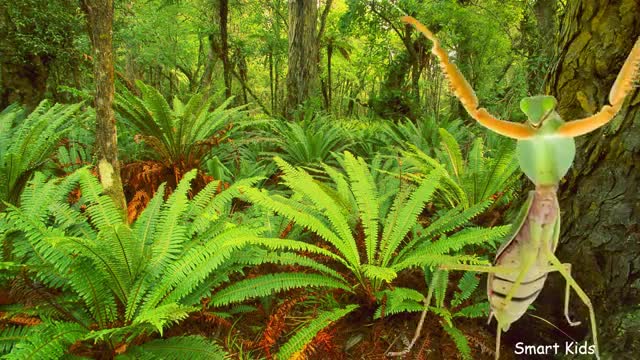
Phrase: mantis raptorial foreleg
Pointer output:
(621, 87)
(465, 93)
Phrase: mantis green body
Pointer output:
(545, 151)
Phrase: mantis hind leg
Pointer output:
(498, 335)
(562, 269)
(567, 293)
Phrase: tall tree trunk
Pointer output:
(600, 199)
(224, 45)
(302, 77)
(329, 82)
(205, 81)
(100, 17)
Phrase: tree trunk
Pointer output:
(205, 81)
(302, 76)
(600, 200)
(224, 45)
(100, 17)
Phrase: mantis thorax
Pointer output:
(546, 157)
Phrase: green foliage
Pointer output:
(177, 348)
(150, 267)
(400, 300)
(270, 284)
(423, 134)
(42, 28)
(27, 141)
(310, 141)
(47, 341)
(141, 278)
(469, 181)
(11, 335)
(181, 136)
(305, 335)
(374, 235)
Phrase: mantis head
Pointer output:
(538, 109)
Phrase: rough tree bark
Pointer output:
(302, 78)
(100, 22)
(600, 200)
(223, 12)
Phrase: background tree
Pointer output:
(600, 199)
(38, 49)
(303, 64)
(100, 23)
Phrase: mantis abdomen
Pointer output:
(521, 260)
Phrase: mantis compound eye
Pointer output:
(537, 109)
(549, 104)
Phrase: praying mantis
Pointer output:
(545, 150)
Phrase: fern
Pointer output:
(303, 336)
(138, 279)
(473, 311)
(467, 285)
(309, 142)
(11, 335)
(47, 341)
(354, 209)
(399, 300)
(185, 133)
(269, 284)
(482, 175)
(460, 340)
(27, 142)
(178, 348)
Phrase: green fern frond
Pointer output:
(429, 260)
(93, 288)
(179, 348)
(294, 245)
(450, 220)
(366, 196)
(467, 285)
(465, 237)
(440, 287)
(271, 284)
(11, 335)
(460, 340)
(301, 182)
(260, 256)
(404, 306)
(47, 341)
(159, 109)
(145, 225)
(262, 199)
(407, 215)
(451, 147)
(171, 233)
(399, 300)
(378, 272)
(474, 311)
(164, 315)
(101, 209)
(186, 273)
(305, 335)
